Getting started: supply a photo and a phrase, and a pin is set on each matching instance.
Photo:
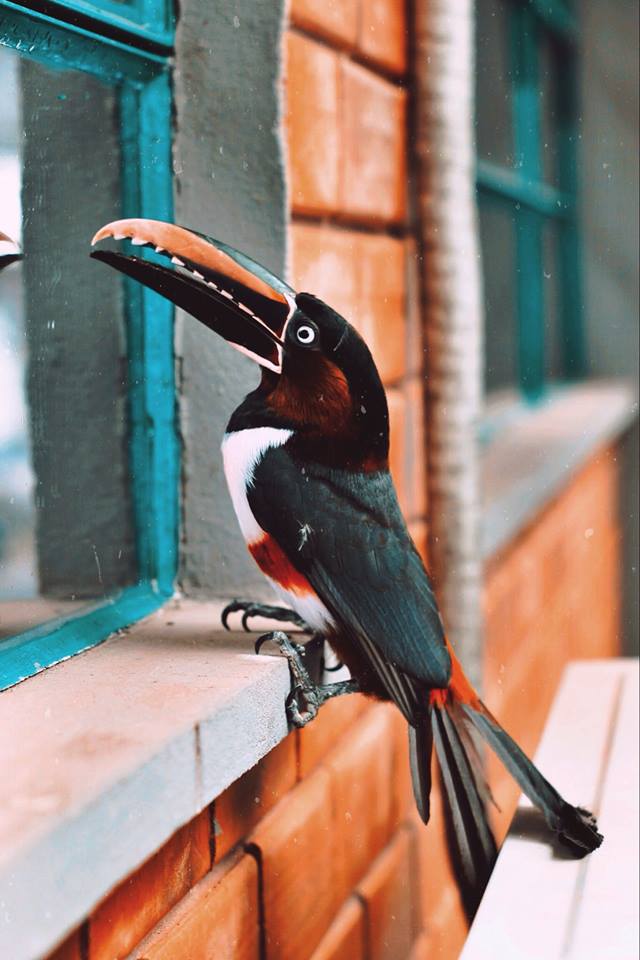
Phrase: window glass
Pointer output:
(494, 137)
(66, 533)
(552, 291)
(549, 79)
(497, 239)
(528, 310)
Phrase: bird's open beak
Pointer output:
(224, 289)
(9, 251)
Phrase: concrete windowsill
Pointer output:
(533, 452)
(104, 756)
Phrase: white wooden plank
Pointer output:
(525, 909)
(606, 922)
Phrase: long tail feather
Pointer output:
(473, 844)
(575, 826)
(420, 749)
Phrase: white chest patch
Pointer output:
(241, 453)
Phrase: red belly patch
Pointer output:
(459, 686)
(273, 562)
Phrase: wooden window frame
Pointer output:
(137, 59)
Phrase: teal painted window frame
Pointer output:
(535, 203)
(143, 76)
(145, 23)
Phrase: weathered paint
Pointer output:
(148, 22)
(51, 41)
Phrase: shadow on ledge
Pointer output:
(529, 824)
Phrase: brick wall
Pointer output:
(350, 241)
(552, 596)
(317, 853)
(314, 854)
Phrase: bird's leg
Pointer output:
(305, 697)
(253, 609)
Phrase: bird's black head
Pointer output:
(318, 374)
(329, 383)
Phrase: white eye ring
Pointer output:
(305, 334)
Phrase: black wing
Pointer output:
(345, 532)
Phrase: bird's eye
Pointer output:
(306, 334)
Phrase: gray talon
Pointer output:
(251, 609)
(305, 697)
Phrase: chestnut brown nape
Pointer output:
(316, 395)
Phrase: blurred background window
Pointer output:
(527, 130)
(87, 501)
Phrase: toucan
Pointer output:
(9, 251)
(306, 461)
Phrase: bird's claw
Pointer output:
(305, 697)
(302, 703)
(288, 648)
(296, 714)
(260, 642)
(251, 608)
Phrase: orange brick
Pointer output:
(295, 847)
(388, 895)
(246, 801)
(140, 901)
(402, 789)
(218, 918)
(419, 531)
(381, 307)
(422, 949)
(335, 19)
(312, 125)
(362, 276)
(361, 769)
(398, 446)
(440, 905)
(69, 949)
(324, 262)
(449, 930)
(373, 134)
(332, 722)
(344, 940)
(413, 322)
(416, 449)
(382, 36)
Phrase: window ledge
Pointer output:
(104, 756)
(536, 450)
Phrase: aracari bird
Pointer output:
(306, 460)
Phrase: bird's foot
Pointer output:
(252, 609)
(305, 697)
